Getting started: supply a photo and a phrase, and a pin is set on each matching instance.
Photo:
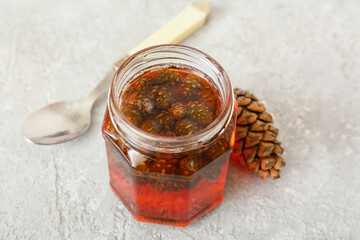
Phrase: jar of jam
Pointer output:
(169, 130)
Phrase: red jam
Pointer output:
(169, 188)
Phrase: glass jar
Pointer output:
(177, 197)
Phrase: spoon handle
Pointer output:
(103, 86)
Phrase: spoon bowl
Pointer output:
(63, 121)
(57, 123)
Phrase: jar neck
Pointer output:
(169, 56)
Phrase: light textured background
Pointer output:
(301, 57)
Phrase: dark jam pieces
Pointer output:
(170, 102)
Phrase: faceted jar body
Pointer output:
(147, 171)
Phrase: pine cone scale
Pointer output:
(256, 107)
(265, 149)
(246, 117)
(244, 101)
(259, 126)
(252, 139)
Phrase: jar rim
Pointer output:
(171, 144)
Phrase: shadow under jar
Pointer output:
(169, 130)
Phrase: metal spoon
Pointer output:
(64, 121)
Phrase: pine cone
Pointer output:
(167, 185)
(191, 165)
(163, 166)
(160, 167)
(255, 141)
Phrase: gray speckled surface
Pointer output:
(301, 57)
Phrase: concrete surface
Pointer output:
(301, 57)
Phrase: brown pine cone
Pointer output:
(163, 166)
(158, 168)
(212, 173)
(193, 164)
(255, 140)
(167, 185)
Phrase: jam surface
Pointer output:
(170, 102)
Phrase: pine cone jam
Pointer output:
(167, 147)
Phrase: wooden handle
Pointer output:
(175, 31)
(179, 28)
